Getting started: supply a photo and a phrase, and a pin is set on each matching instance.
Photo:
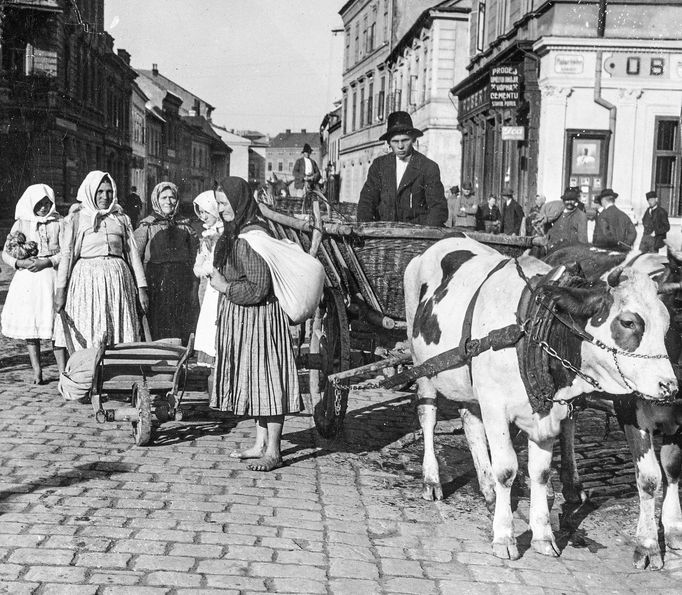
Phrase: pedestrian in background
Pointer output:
(534, 225)
(466, 208)
(571, 226)
(656, 225)
(167, 246)
(305, 172)
(255, 369)
(489, 216)
(613, 229)
(512, 214)
(453, 195)
(100, 274)
(32, 249)
(132, 206)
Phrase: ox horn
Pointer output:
(614, 277)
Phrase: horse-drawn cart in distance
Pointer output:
(362, 313)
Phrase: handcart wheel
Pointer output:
(142, 427)
(330, 340)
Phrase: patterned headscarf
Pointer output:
(87, 196)
(156, 193)
(25, 209)
(206, 201)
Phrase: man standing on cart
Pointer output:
(403, 185)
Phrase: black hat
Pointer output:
(454, 190)
(607, 192)
(306, 148)
(651, 194)
(571, 193)
(467, 186)
(507, 191)
(400, 123)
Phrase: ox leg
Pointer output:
(427, 420)
(478, 445)
(571, 486)
(671, 515)
(648, 475)
(539, 468)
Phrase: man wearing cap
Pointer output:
(466, 208)
(656, 225)
(305, 170)
(512, 213)
(571, 226)
(403, 185)
(613, 229)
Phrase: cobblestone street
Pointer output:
(84, 511)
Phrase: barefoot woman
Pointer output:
(255, 372)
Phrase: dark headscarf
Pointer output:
(246, 213)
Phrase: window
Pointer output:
(363, 48)
(385, 35)
(345, 114)
(356, 52)
(381, 100)
(666, 166)
(280, 166)
(354, 108)
(413, 90)
(362, 108)
(370, 37)
(269, 165)
(291, 165)
(425, 77)
(480, 31)
(370, 104)
(347, 56)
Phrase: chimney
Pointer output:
(303, 131)
(288, 131)
(124, 55)
(155, 69)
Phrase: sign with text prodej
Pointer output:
(504, 87)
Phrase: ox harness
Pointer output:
(545, 349)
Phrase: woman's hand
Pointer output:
(144, 299)
(60, 299)
(24, 263)
(38, 264)
(218, 281)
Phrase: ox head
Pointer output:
(625, 315)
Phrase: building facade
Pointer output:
(65, 99)
(239, 157)
(285, 148)
(138, 133)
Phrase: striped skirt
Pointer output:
(102, 303)
(255, 370)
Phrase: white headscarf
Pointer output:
(28, 201)
(87, 196)
(207, 201)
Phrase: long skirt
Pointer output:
(29, 306)
(255, 372)
(170, 300)
(101, 303)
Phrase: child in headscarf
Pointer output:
(167, 245)
(206, 208)
(100, 275)
(29, 307)
(255, 373)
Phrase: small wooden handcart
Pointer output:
(361, 317)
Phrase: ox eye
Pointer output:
(629, 324)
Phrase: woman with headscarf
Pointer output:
(167, 246)
(255, 371)
(206, 209)
(100, 274)
(32, 249)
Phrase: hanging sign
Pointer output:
(513, 133)
(504, 87)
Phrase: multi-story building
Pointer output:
(285, 149)
(138, 132)
(330, 135)
(257, 155)
(239, 157)
(575, 93)
(65, 98)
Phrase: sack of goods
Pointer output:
(297, 277)
(76, 381)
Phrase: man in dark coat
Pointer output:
(488, 216)
(133, 206)
(403, 185)
(613, 229)
(512, 214)
(305, 170)
(656, 225)
(571, 226)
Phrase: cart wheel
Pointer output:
(142, 428)
(330, 339)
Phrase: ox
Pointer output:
(639, 419)
(623, 321)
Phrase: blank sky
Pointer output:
(264, 64)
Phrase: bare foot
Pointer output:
(266, 463)
(37, 379)
(255, 452)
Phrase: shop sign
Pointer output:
(66, 124)
(513, 133)
(637, 66)
(504, 87)
(474, 101)
(569, 64)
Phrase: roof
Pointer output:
(204, 125)
(231, 139)
(295, 139)
(163, 82)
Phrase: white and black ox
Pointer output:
(639, 418)
(624, 320)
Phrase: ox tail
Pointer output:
(411, 286)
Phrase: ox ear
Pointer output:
(614, 277)
(591, 302)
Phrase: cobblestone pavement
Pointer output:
(84, 511)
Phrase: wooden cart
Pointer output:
(361, 318)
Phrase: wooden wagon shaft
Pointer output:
(388, 362)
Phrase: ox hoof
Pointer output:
(673, 541)
(574, 495)
(647, 556)
(506, 550)
(546, 547)
(432, 491)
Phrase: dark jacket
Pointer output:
(570, 228)
(656, 227)
(614, 230)
(488, 219)
(299, 173)
(420, 199)
(512, 216)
